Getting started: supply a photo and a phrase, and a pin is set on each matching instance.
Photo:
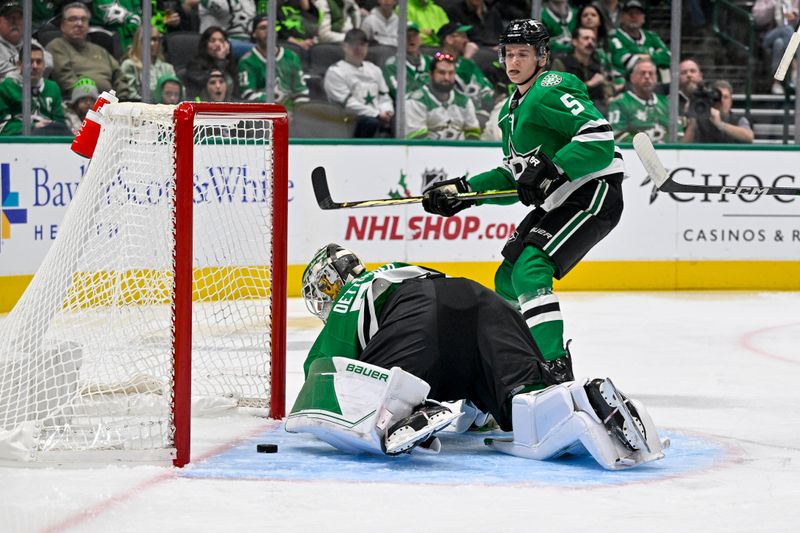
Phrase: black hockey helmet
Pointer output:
(331, 268)
(525, 31)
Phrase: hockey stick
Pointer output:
(320, 183)
(655, 169)
(788, 54)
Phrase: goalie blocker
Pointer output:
(362, 408)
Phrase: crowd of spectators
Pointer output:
(342, 53)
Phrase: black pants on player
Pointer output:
(567, 232)
(460, 337)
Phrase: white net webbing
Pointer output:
(86, 354)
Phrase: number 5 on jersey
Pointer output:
(572, 104)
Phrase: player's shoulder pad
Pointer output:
(552, 85)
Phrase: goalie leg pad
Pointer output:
(561, 419)
(349, 404)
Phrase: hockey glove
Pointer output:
(440, 198)
(539, 179)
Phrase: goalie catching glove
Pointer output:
(440, 199)
(539, 179)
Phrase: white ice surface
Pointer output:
(721, 365)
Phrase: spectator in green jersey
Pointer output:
(47, 113)
(641, 109)
(437, 110)
(290, 88)
(417, 64)
(470, 80)
(631, 42)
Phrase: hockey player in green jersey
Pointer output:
(400, 339)
(290, 88)
(559, 154)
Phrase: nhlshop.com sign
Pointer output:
(424, 227)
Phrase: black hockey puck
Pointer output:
(267, 448)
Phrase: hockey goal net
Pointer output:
(165, 289)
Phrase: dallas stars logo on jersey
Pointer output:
(551, 80)
(516, 162)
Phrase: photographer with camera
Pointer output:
(710, 119)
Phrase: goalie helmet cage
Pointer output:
(165, 290)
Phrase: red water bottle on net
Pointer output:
(86, 139)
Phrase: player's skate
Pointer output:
(619, 415)
(560, 370)
(418, 427)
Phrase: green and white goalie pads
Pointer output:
(349, 404)
(562, 419)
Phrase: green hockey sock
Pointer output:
(532, 278)
(503, 285)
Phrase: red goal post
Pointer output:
(185, 115)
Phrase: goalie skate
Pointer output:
(618, 414)
(417, 427)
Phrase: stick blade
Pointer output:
(650, 161)
(319, 182)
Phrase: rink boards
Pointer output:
(664, 241)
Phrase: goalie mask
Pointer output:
(525, 31)
(326, 274)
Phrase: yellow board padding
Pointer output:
(147, 286)
(635, 275)
(253, 282)
(11, 289)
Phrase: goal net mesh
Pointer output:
(86, 356)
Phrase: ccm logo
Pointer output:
(729, 189)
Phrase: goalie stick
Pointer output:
(319, 181)
(655, 169)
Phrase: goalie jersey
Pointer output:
(353, 320)
(556, 117)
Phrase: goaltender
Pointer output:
(400, 339)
